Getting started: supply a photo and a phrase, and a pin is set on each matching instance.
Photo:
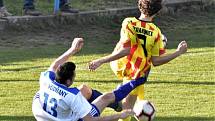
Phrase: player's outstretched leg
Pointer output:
(117, 95)
(91, 94)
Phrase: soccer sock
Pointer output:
(96, 93)
(125, 89)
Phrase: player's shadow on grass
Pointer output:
(31, 118)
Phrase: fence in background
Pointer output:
(27, 22)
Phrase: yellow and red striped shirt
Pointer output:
(144, 40)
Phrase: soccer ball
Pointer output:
(164, 39)
(144, 110)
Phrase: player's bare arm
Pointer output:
(124, 114)
(159, 60)
(119, 52)
(76, 46)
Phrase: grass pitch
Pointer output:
(182, 90)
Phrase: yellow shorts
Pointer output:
(118, 69)
(139, 91)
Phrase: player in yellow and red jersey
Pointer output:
(139, 47)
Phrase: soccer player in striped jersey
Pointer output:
(56, 101)
(140, 46)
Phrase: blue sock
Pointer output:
(125, 89)
(96, 93)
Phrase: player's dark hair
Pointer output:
(65, 72)
(149, 7)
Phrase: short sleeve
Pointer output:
(127, 34)
(158, 48)
(81, 106)
(47, 75)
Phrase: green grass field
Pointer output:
(182, 90)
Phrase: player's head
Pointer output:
(149, 7)
(66, 73)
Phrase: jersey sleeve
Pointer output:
(46, 76)
(158, 48)
(127, 33)
(81, 106)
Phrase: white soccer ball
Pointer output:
(164, 39)
(144, 110)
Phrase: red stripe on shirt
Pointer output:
(138, 76)
(128, 65)
(133, 49)
(146, 68)
(158, 38)
(136, 65)
(138, 62)
(151, 28)
(129, 57)
(127, 44)
(129, 29)
(143, 24)
(133, 23)
(162, 51)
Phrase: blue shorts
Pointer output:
(94, 112)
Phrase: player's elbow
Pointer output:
(155, 64)
(156, 61)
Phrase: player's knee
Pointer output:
(86, 91)
(109, 97)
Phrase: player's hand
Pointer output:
(182, 47)
(77, 44)
(93, 65)
(127, 113)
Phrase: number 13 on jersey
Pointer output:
(50, 102)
